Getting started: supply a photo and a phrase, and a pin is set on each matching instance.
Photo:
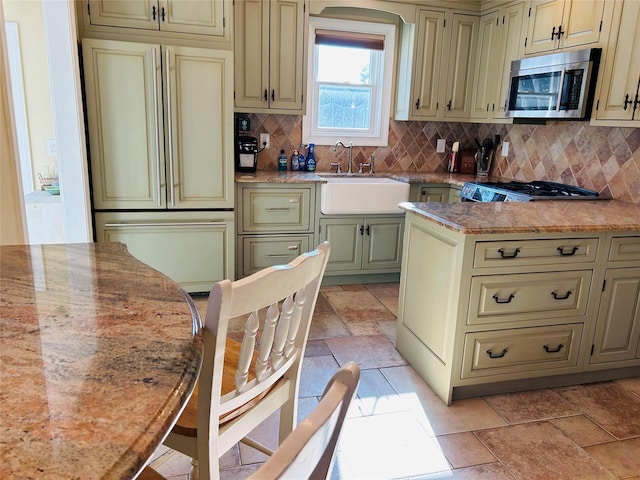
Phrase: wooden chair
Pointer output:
(309, 451)
(240, 385)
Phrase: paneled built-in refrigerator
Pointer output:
(160, 124)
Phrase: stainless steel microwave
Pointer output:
(560, 85)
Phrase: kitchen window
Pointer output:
(350, 77)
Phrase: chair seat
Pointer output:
(188, 421)
(149, 474)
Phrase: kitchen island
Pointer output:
(99, 355)
(498, 297)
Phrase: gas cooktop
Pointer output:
(523, 192)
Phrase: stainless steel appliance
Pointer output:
(523, 192)
(246, 153)
(559, 85)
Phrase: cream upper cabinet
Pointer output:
(618, 97)
(160, 122)
(445, 57)
(555, 24)
(269, 55)
(500, 42)
(205, 17)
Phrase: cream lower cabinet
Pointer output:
(269, 55)
(444, 64)
(275, 224)
(194, 249)
(371, 244)
(617, 335)
(428, 192)
(478, 313)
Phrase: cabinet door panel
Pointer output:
(251, 53)
(286, 48)
(484, 84)
(346, 240)
(621, 67)
(512, 49)
(124, 13)
(462, 60)
(193, 16)
(384, 246)
(199, 127)
(545, 15)
(581, 22)
(618, 325)
(426, 82)
(124, 112)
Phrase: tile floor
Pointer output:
(398, 428)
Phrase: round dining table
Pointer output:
(99, 353)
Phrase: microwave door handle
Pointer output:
(562, 74)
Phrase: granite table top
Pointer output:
(98, 355)
(479, 218)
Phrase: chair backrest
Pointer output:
(276, 305)
(309, 451)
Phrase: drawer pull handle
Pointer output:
(292, 247)
(557, 297)
(280, 255)
(555, 350)
(567, 253)
(278, 209)
(508, 300)
(514, 255)
(497, 355)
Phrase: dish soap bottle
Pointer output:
(282, 161)
(302, 162)
(311, 159)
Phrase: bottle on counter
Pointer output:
(311, 159)
(302, 161)
(282, 161)
(295, 161)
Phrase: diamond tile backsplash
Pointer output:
(604, 159)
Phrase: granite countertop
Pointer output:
(99, 354)
(271, 176)
(471, 218)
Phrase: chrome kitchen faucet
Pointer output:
(350, 147)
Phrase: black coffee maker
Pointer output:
(246, 153)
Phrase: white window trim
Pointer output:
(379, 137)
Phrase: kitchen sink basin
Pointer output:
(362, 195)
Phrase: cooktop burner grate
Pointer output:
(515, 191)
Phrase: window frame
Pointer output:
(380, 106)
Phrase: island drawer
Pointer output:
(624, 249)
(528, 296)
(521, 350)
(560, 251)
(276, 209)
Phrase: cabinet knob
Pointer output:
(449, 105)
(497, 355)
(266, 95)
(162, 14)
(627, 101)
(153, 12)
(273, 95)
(418, 103)
(552, 350)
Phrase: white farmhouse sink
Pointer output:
(362, 195)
